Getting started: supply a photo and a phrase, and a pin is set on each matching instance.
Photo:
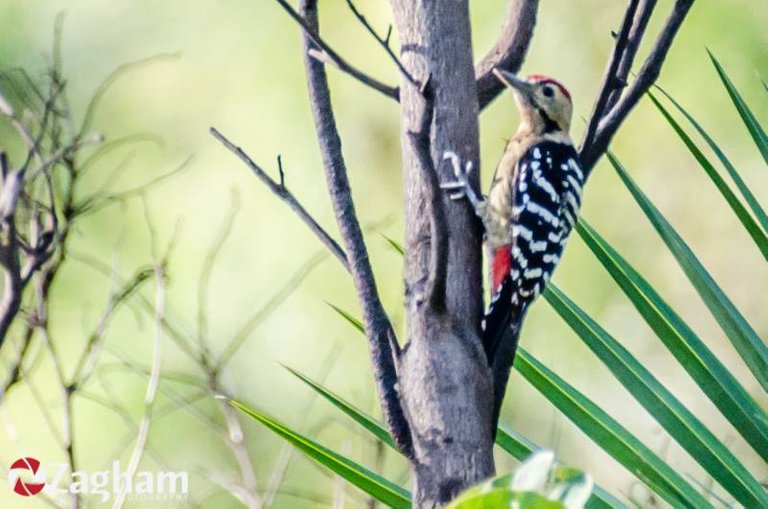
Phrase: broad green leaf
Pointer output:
(369, 423)
(757, 209)
(754, 230)
(714, 379)
(742, 336)
(750, 121)
(609, 434)
(354, 322)
(676, 419)
(520, 447)
(539, 481)
(371, 483)
(503, 497)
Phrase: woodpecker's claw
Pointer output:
(460, 188)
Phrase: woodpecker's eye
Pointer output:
(548, 91)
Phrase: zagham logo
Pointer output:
(27, 478)
(19, 474)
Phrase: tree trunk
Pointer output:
(445, 383)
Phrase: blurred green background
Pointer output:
(239, 68)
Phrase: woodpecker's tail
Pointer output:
(501, 333)
(502, 364)
(502, 315)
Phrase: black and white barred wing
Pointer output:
(546, 202)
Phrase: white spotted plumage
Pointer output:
(546, 199)
(531, 208)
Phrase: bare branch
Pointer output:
(639, 25)
(284, 194)
(144, 303)
(609, 122)
(13, 284)
(509, 51)
(235, 440)
(98, 201)
(611, 80)
(203, 285)
(87, 360)
(381, 337)
(152, 384)
(334, 57)
(384, 42)
(68, 442)
(16, 368)
(113, 78)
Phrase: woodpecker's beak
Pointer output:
(515, 83)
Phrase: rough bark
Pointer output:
(445, 382)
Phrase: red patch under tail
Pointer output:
(501, 266)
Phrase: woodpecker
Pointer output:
(532, 205)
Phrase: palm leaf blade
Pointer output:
(750, 121)
(742, 336)
(754, 230)
(367, 422)
(676, 419)
(609, 434)
(749, 197)
(371, 483)
(714, 379)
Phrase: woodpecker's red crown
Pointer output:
(541, 79)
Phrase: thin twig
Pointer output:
(384, 42)
(113, 78)
(285, 195)
(145, 305)
(644, 12)
(611, 81)
(381, 337)
(87, 360)
(235, 440)
(152, 384)
(610, 122)
(209, 263)
(16, 367)
(67, 417)
(334, 57)
(97, 202)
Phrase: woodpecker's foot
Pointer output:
(461, 188)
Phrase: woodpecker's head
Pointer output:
(545, 105)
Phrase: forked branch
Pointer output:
(324, 52)
(614, 101)
(381, 337)
(612, 82)
(383, 41)
(282, 192)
